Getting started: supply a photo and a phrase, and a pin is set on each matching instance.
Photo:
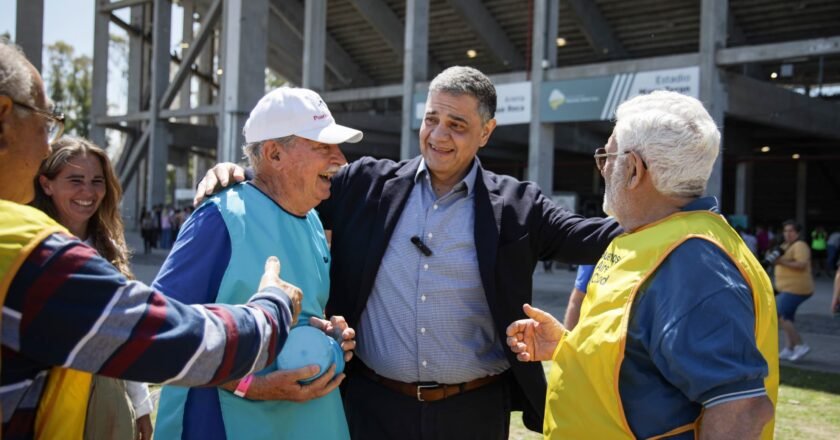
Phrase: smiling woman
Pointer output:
(76, 186)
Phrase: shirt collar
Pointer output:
(708, 203)
(468, 180)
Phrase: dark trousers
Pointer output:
(376, 412)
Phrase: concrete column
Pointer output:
(743, 189)
(29, 30)
(244, 49)
(134, 194)
(540, 136)
(415, 69)
(314, 44)
(713, 19)
(99, 94)
(185, 96)
(802, 194)
(159, 138)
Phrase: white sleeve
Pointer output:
(138, 392)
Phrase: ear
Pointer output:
(486, 131)
(638, 172)
(6, 107)
(271, 154)
(46, 184)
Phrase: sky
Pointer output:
(72, 22)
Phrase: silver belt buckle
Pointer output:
(420, 387)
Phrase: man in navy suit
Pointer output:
(432, 260)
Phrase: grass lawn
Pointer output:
(808, 407)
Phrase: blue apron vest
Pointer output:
(259, 228)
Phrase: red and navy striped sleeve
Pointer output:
(69, 307)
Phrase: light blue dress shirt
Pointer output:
(427, 318)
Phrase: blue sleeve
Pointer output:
(584, 273)
(702, 337)
(193, 271)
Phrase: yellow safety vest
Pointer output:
(586, 364)
(61, 410)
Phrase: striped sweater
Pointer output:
(69, 307)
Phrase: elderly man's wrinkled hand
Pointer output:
(338, 329)
(285, 385)
(271, 277)
(224, 174)
(536, 338)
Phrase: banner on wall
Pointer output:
(584, 99)
(596, 99)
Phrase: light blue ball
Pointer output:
(308, 345)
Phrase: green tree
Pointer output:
(69, 84)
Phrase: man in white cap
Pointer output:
(292, 145)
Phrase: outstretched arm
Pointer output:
(72, 308)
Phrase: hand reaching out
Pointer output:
(271, 277)
(536, 338)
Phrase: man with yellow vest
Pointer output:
(65, 306)
(677, 336)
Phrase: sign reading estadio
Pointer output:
(593, 99)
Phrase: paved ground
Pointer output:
(819, 328)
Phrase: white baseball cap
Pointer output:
(287, 111)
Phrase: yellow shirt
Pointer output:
(798, 282)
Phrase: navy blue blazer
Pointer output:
(515, 227)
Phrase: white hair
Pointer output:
(15, 73)
(674, 135)
(253, 150)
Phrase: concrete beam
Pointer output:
(596, 29)
(778, 51)
(245, 51)
(205, 137)
(765, 103)
(713, 15)
(159, 135)
(363, 93)
(29, 30)
(99, 80)
(107, 6)
(337, 60)
(415, 68)
(540, 136)
(314, 44)
(389, 26)
(623, 66)
(208, 23)
(477, 17)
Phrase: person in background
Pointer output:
(750, 240)
(584, 274)
(835, 298)
(762, 236)
(77, 187)
(818, 250)
(147, 230)
(833, 250)
(795, 285)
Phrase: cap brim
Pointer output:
(332, 134)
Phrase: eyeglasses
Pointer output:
(601, 156)
(55, 121)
